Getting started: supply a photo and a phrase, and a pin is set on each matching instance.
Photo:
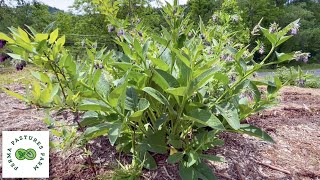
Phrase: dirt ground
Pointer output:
(293, 125)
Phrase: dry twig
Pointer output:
(273, 167)
(165, 170)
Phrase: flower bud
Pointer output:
(110, 28)
(235, 18)
(2, 43)
(261, 49)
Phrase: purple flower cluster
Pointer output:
(2, 43)
(227, 57)
(214, 18)
(273, 27)
(3, 57)
(299, 56)
(235, 18)
(261, 49)
(232, 78)
(21, 65)
(202, 36)
(301, 82)
(111, 28)
(98, 66)
(295, 29)
(255, 30)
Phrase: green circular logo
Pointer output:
(22, 154)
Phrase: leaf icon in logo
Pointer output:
(20, 154)
(29, 154)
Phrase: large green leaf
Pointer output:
(183, 58)
(254, 131)
(284, 56)
(142, 106)
(211, 157)
(204, 117)
(155, 142)
(157, 95)
(93, 105)
(230, 113)
(193, 158)
(204, 172)
(164, 79)
(132, 99)
(180, 91)
(270, 36)
(117, 95)
(203, 79)
(96, 131)
(149, 162)
(103, 86)
(187, 173)
(89, 117)
(41, 76)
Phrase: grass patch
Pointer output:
(9, 75)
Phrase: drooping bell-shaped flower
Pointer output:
(121, 32)
(295, 29)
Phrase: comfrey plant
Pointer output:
(169, 94)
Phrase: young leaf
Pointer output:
(271, 37)
(53, 36)
(204, 117)
(13, 94)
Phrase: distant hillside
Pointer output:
(54, 10)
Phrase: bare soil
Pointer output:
(294, 125)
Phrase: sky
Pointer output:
(64, 4)
(60, 4)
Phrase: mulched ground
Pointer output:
(294, 125)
